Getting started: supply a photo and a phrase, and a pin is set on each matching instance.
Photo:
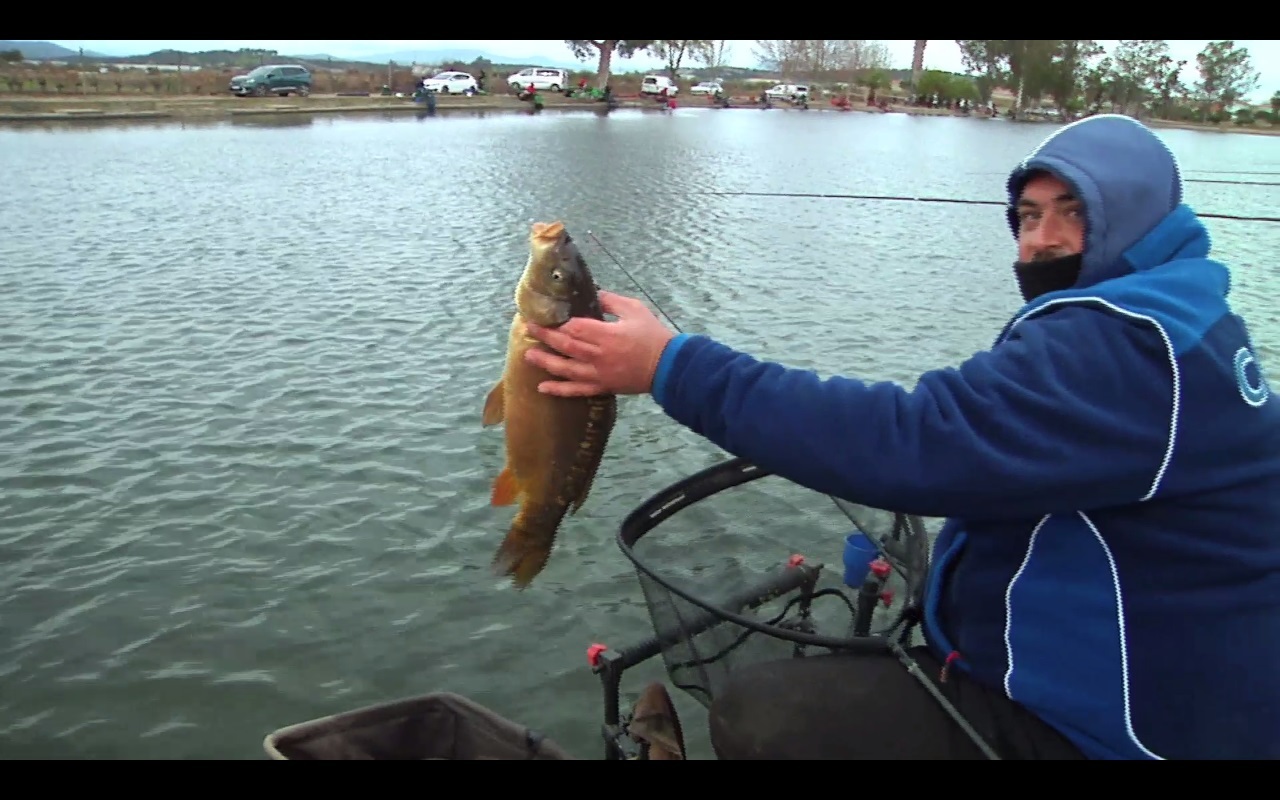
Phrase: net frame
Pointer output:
(707, 643)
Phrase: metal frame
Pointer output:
(797, 577)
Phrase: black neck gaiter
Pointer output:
(1050, 275)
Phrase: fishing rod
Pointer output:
(913, 199)
(911, 665)
(1193, 180)
(1231, 183)
(1230, 172)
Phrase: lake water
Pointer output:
(242, 366)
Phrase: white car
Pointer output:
(451, 83)
(785, 91)
(654, 84)
(707, 87)
(544, 79)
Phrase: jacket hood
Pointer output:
(1129, 183)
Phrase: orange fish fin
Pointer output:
(494, 406)
(506, 490)
(608, 415)
(521, 556)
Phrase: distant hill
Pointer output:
(467, 56)
(42, 51)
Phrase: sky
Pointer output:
(942, 54)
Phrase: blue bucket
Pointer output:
(859, 552)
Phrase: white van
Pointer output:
(545, 79)
(787, 91)
(654, 84)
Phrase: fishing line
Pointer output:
(1231, 183)
(1189, 180)
(909, 199)
(632, 278)
(1230, 172)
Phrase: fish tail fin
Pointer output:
(521, 556)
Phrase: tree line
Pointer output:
(810, 59)
(1140, 78)
(1074, 76)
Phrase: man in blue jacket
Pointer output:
(1110, 471)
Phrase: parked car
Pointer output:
(654, 84)
(544, 79)
(277, 79)
(451, 83)
(787, 91)
(707, 87)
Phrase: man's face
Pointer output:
(1050, 220)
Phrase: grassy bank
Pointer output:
(181, 107)
(1260, 128)
(223, 106)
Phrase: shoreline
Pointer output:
(83, 108)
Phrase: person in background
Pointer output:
(1107, 582)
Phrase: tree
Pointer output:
(713, 54)
(779, 55)
(1098, 86)
(605, 48)
(875, 55)
(819, 58)
(982, 57)
(1226, 75)
(1275, 103)
(673, 51)
(1063, 77)
(1021, 64)
(1168, 86)
(1140, 73)
(917, 60)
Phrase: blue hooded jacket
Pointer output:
(1110, 471)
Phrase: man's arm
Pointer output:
(1074, 412)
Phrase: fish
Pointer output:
(554, 445)
(655, 723)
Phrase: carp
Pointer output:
(554, 445)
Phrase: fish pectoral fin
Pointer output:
(506, 490)
(494, 406)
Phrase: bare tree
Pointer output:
(713, 54)
(780, 55)
(674, 51)
(875, 55)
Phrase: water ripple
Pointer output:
(244, 481)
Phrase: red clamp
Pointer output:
(795, 561)
(886, 597)
(880, 568)
(593, 653)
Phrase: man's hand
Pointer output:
(603, 357)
